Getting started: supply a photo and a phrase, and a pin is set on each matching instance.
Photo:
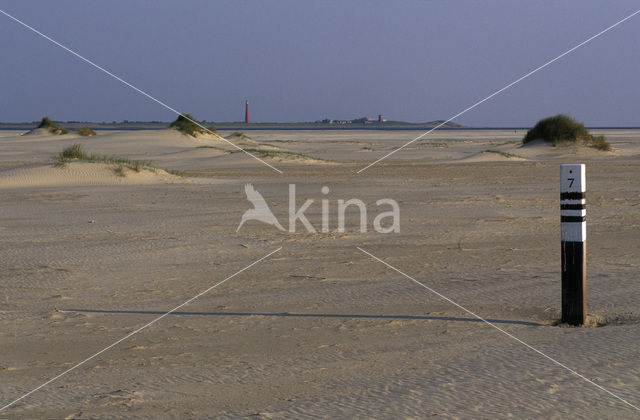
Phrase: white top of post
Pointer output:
(573, 202)
(572, 178)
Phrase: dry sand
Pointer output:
(319, 329)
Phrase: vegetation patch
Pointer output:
(215, 148)
(436, 144)
(276, 154)
(599, 142)
(85, 132)
(119, 171)
(175, 172)
(238, 135)
(186, 124)
(52, 127)
(75, 152)
(563, 130)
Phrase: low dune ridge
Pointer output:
(49, 127)
(237, 137)
(491, 155)
(541, 150)
(41, 132)
(82, 173)
(209, 136)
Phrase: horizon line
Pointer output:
(354, 126)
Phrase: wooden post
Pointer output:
(574, 243)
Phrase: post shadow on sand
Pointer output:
(304, 315)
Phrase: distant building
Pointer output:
(362, 120)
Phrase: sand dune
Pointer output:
(82, 173)
(44, 132)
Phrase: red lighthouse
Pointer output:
(246, 112)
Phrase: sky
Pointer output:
(298, 60)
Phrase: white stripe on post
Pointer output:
(574, 236)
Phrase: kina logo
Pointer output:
(384, 222)
(260, 210)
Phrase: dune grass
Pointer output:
(119, 171)
(561, 130)
(239, 135)
(435, 144)
(175, 172)
(52, 127)
(85, 132)
(77, 153)
(186, 125)
(276, 154)
(599, 142)
(263, 153)
(215, 148)
(73, 152)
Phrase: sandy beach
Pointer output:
(319, 329)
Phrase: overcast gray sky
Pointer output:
(306, 60)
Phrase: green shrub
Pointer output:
(185, 123)
(85, 132)
(52, 127)
(562, 129)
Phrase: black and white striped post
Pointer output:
(574, 243)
